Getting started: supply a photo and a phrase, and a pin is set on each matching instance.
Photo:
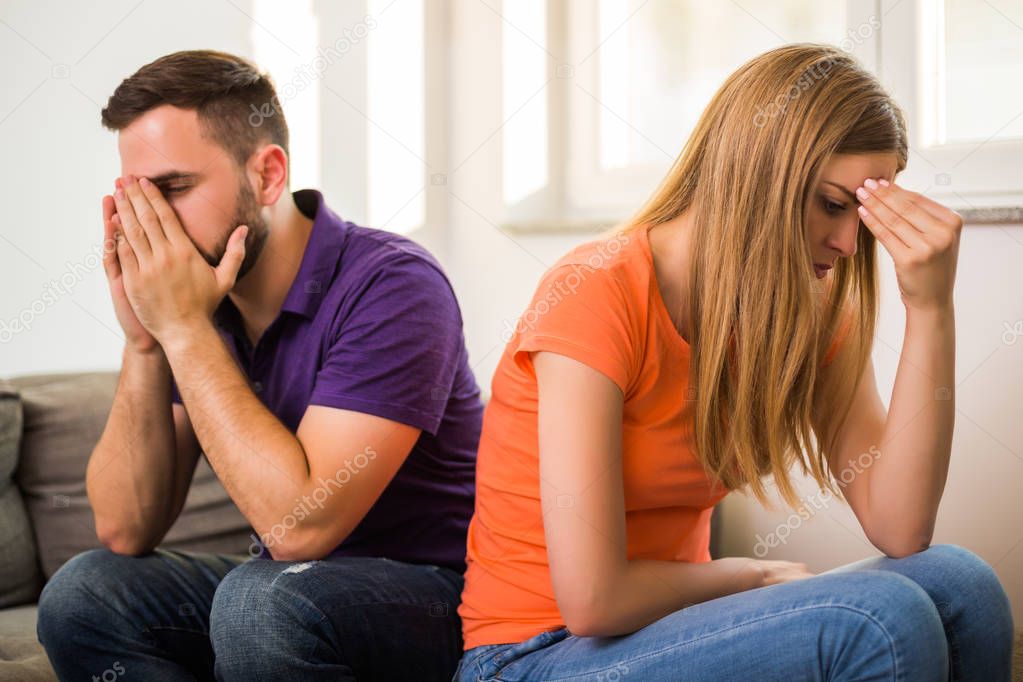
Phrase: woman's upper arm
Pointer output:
(579, 433)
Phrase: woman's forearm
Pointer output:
(906, 483)
(646, 591)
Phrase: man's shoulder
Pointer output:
(371, 253)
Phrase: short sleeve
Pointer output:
(585, 314)
(396, 352)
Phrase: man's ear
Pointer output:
(269, 165)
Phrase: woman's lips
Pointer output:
(821, 270)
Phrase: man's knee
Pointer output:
(72, 596)
(250, 597)
(255, 621)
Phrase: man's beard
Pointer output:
(247, 212)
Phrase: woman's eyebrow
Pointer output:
(851, 195)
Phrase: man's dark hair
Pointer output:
(237, 105)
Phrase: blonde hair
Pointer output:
(762, 322)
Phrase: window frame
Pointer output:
(985, 186)
(977, 179)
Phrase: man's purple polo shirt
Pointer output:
(371, 324)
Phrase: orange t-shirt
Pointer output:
(600, 305)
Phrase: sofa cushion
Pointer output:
(64, 416)
(20, 580)
(22, 657)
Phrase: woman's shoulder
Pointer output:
(590, 306)
(617, 259)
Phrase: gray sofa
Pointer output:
(48, 427)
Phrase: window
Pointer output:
(285, 54)
(623, 82)
(360, 66)
(395, 99)
(950, 64)
(981, 51)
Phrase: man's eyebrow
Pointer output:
(169, 176)
(851, 195)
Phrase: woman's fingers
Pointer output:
(901, 216)
(891, 241)
(942, 213)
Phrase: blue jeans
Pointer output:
(173, 615)
(940, 614)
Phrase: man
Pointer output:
(321, 368)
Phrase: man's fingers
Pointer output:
(127, 261)
(110, 264)
(108, 208)
(131, 228)
(227, 270)
(145, 214)
(168, 218)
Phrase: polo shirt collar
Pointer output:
(321, 258)
(319, 262)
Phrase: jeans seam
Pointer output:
(950, 636)
(476, 661)
(117, 612)
(871, 617)
(152, 628)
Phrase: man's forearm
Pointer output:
(260, 462)
(130, 474)
(907, 484)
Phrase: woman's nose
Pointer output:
(844, 240)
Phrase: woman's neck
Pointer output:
(669, 246)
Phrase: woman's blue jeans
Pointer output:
(940, 614)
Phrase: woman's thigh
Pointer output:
(857, 625)
(975, 611)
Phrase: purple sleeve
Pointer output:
(395, 353)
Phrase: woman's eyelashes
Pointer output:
(831, 207)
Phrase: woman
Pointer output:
(702, 346)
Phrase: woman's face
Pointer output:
(832, 222)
